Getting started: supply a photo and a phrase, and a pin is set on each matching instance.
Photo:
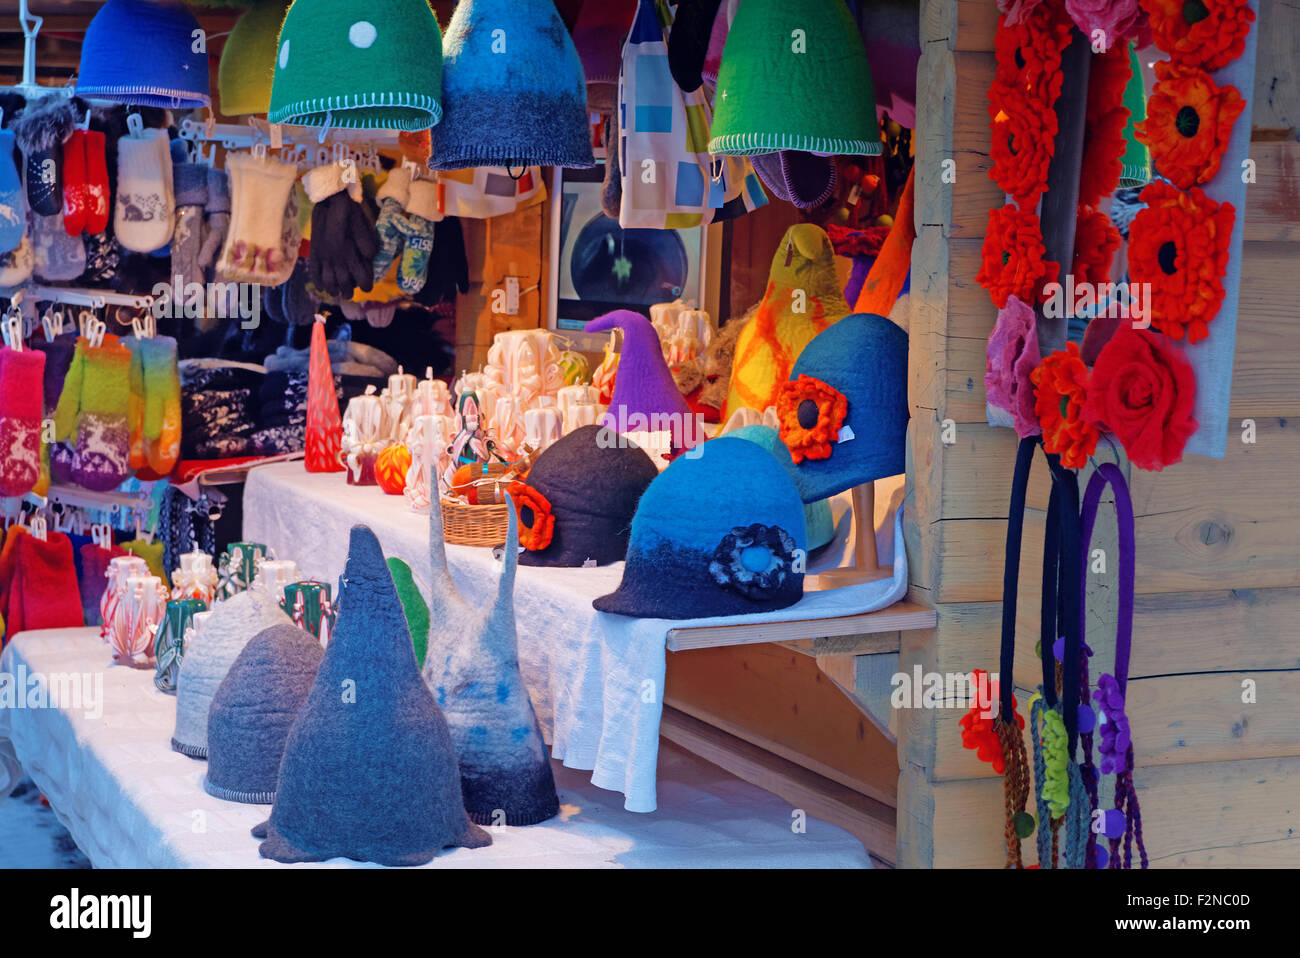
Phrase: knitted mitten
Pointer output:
(40, 131)
(74, 183)
(58, 256)
(12, 201)
(93, 413)
(152, 554)
(254, 247)
(103, 256)
(97, 190)
(191, 181)
(217, 210)
(92, 578)
(343, 246)
(145, 211)
(393, 197)
(45, 594)
(135, 405)
(162, 403)
(16, 264)
(417, 230)
(21, 374)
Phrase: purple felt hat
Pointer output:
(644, 390)
(598, 36)
(804, 179)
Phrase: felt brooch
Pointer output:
(1013, 257)
(810, 414)
(1142, 391)
(536, 523)
(1179, 244)
(979, 725)
(1189, 122)
(753, 560)
(1023, 140)
(1028, 54)
(1011, 356)
(1208, 34)
(1116, 739)
(1095, 242)
(1061, 386)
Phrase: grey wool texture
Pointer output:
(472, 666)
(254, 709)
(215, 647)
(369, 771)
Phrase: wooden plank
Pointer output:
(936, 79)
(1277, 78)
(899, 616)
(871, 822)
(977, 24)
(779, 700)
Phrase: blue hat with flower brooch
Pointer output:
(843, 413)
(719, 532)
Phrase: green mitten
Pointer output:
(417, 613)
(392, 196)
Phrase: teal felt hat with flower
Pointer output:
(372, 66)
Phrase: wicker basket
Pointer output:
(465, 525)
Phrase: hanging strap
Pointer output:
(1109, 474)
(1065, 487)
(1011, 571)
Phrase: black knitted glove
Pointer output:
(343, 246)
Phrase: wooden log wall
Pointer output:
(1218, 541)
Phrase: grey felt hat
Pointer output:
(215, 647)
(254, 709)
(369, 770)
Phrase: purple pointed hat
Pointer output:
(643, 386)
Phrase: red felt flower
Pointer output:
(1095, 242)
(1013, 257)
(810, 413)
(1179, 244)
(1189, 122)
(1023, 140)
(1142, 391)
(1061, 386)
(978, 726)
(536, 523)
(1028, 55)
(1208, 34)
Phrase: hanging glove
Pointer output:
(217, 209)
(393, 197)
(343, 246)
(448, 267)
(417, 231)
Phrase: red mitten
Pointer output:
(75, 196)
(45, 593)
(324, 425)
(22, 376)
(97, 193)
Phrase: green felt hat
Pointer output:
(794, 76)
(1136, 169)
(375, 65)
(248, 60)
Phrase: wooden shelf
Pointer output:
(900, 617)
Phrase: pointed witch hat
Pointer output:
(369, 770)
(472, 666)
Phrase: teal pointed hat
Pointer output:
(794, 76)
(375, 65)
(1136, 169)
(513, 90)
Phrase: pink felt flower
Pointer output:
(1118, 20)
(1017, 11)
(1012, 355)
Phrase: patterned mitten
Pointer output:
(21, 375)
(97, 191)
(40, 131)
(259, 190)
(145, 211)
(162, 403)
(75, 196)
(217, 210)
(135, 404)
(12, 202)
(417, 230)
(93, 412)
(393, 197)
(187, 238)
(59, 257)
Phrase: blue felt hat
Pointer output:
(817, 517)
(719, 532)
(843, 412)
(513, 91)
(142, 52)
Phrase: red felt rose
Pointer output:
(1142, 391)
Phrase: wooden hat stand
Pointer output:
(866, 564)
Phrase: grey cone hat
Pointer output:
(369, 770)
(217, 644)
(472, 666)
(254, 709)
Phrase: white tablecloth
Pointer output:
(596, 679)
(130, 801)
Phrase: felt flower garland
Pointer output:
(1179, 244)
(1013, 257)
(1208, 34)
(1189, 122)
(810, 414)
(1096, 240)
(1104, 119)
(1061, 386)
(1023, 141)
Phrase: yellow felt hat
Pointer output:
(248, 60)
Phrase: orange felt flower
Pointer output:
(1179, 244)
(1028, 56)
(811, 414)
(1095, 241)
(1012, 257)
(1023, 141)
(979, 725)
(536, 523)
(1189, 121)
(1208, 34)
(1061, 388)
